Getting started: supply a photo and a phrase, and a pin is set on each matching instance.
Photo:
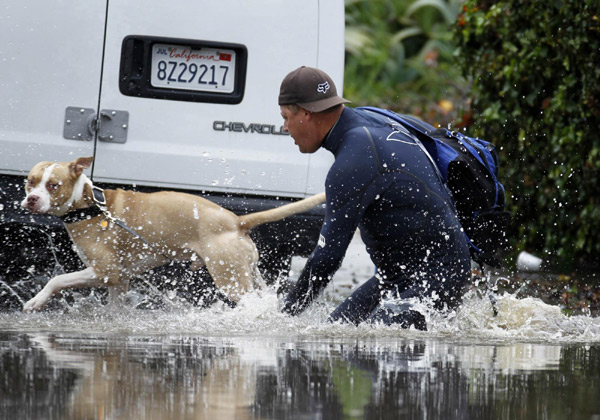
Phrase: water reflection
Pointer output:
(74, 376)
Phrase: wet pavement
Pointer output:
(108, 376)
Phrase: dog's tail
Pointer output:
(248, 221)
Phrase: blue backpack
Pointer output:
(469, 168)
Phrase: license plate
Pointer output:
(204, 69)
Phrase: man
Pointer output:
(385, 184)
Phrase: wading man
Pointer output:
(383, 183)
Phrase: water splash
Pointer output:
(258, 315)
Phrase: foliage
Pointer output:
(535, 70)
(399, 55)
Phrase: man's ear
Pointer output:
(79, 164)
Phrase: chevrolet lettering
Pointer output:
(240, 127)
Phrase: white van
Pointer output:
(178, 95)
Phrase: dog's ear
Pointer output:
(79, 164)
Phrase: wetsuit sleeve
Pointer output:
(347, 188)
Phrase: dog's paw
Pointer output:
(35, 304)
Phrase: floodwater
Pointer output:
(94, 361)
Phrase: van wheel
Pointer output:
(27, 262)
(22, 261)
(274, 265)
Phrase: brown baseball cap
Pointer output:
(309, 88)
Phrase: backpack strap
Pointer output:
(421, 136)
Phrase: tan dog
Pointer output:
(181, 226)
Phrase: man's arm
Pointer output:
(325, 260)
(348, 196)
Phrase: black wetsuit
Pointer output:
(383, 183)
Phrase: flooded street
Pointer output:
(122, 376)
(96, 361)
(159, 148)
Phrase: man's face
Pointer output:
(302, 129)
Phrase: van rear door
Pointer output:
(50, 60)
(223, 142)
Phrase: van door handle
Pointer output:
(82, 124)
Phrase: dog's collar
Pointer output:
(78, 215)
(98, 208)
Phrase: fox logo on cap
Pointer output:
(323, 87)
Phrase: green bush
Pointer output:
(399, 55)
(535, 72)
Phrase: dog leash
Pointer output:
(100, 208)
